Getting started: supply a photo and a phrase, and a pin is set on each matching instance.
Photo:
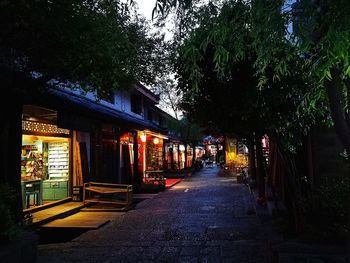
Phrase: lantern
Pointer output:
(143, 137)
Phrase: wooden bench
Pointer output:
(108, 193)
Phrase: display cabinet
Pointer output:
(58, 160)
(55, 190)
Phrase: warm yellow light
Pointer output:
(143, 137)
(155, 140)
(158, 135)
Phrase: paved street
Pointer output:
(205, 218)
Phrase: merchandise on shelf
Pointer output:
(32, 163)
(58, 160)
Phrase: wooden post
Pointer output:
(117, 135)
(164, 163)
(178, 156)
(79, 172)
(138, 178)
(185, 166)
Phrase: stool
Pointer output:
(35, 196)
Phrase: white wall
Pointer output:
(122, 101)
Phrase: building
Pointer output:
(56, 139)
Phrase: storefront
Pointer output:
(211, 151)
(176, 156)
(182, 156)
(200, 151)
(189, 156)
(231, 150)
(150, 151)
(169, 156)
(236, 153)
(45, 163)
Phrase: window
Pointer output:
(136, 103)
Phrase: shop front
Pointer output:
(236, 154)
(182, 156)
(199, 152)
(169, 157)
(189, 160)
(150, 152)
(45, 163)
(176, 156)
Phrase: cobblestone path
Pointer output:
(205, 218)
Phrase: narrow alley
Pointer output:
(205, 218)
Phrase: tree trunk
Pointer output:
(224, 146)
(251, 161)
(341, 126)
(339, 117)
(260, 172)
(293, 188)
(193, 155)
(310, 167)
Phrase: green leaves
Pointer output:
(239, 58)
(94, 43)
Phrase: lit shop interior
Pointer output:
(45, 163)
(150, 151)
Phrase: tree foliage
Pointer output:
(216, 68)
(99, 44)
(297, 56)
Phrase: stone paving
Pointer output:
(205, 218)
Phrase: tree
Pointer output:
(321, 35)
(170, 98)
(188, 131)
(97, 44)
(229, 88)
